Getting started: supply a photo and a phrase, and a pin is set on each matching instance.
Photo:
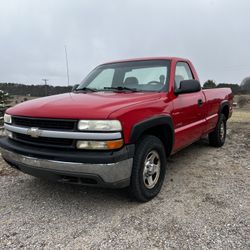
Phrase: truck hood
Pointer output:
(97, 105)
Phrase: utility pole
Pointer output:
(67, 63)
(45, 86)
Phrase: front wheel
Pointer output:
(218, 136)
(149, 167)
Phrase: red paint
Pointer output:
(190, 121)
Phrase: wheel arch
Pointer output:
(224, 109)
(160, 126)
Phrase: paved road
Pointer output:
(205, 203)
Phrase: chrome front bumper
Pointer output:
(111, 174)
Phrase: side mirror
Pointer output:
(74, 87)
(188, 86)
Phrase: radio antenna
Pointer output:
(67, 63)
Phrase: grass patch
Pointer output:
(240, 115)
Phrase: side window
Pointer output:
(182, 72)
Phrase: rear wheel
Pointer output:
(149, 167)
(218, 136)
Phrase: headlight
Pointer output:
(100, 125)
(7, 118)
(99, 145)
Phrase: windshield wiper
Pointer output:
(121, 88)
(86, 89)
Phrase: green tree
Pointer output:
(4, 98)
(209, 84)
(245, 84)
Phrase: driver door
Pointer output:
(188, 110)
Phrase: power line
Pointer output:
(45, 86)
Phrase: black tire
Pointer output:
(218, 136)
(138, 184)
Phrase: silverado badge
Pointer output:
(34, 132)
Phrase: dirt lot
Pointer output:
(205, 203)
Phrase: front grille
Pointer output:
(57, 124)
(43, 123)
(44, 141)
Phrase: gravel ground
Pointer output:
(204, 203)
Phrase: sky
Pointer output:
(213, 34)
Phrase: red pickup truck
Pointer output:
(118, 126)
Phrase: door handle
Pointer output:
(200, 102)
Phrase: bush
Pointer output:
(242, 101)
(4, 98)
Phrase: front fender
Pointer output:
(155, 122)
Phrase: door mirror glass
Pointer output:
(188, 86)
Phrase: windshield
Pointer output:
(135, 76)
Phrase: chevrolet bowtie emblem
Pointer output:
(34, 132)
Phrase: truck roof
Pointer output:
(148, 59)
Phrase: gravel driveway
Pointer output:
(205, 203)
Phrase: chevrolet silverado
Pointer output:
(118, 126)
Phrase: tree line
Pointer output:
(236, 89)
(44, 90)
(33, 90)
